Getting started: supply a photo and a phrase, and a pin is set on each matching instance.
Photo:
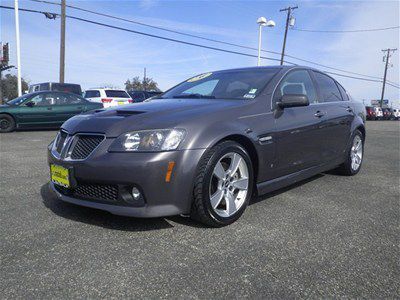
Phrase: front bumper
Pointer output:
(146, 171)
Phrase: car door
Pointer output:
(67, 105)
(37, 110)
(297, 133)
(336, 124)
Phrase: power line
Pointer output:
(181, 42)
(203, 38)
(148, 34)
(345, 31)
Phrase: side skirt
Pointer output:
(281, 182)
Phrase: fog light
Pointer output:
(135, 193)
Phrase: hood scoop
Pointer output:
(127, 113)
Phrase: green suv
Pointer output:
(45, 109)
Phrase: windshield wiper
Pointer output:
(194, 96)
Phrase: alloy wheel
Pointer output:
(356, 153)
(229, 184)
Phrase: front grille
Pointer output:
(60, 141)
(85, 145)
(100, 192)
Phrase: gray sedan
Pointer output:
(206, 146)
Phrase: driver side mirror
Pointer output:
(30, 104)
(293, 100)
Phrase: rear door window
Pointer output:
(343, 92)
(328, 88)
(92, 94)
(116, 94)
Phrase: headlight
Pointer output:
(149, 140)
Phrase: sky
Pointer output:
(97, 56)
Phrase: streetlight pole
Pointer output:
(259, 46)
(19, 80)
(62, 43)
(262, 22)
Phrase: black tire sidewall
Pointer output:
(10, 120)
(230, 147)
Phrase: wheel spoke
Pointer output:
(219, 171)
(216, 198)
(230, 204)
(241, 184)
(235, 162)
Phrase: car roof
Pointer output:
(108, 89)
(46, 92)
(54, 82)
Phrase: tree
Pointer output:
(147, 84)
(9, 87)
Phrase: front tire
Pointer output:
(223, 185)
(7, 123)
(355, 155)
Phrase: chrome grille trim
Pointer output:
(76, 147)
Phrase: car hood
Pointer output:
(154, 114)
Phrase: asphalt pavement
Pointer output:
(329, 236)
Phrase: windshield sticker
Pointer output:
(252, 91)
(249, 96)
(199, 77)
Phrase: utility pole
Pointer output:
(19, 80)
(289, 14)
(62, 42)
(386, 58)
(144, 79)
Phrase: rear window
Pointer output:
(69, 88)
(116, 94)
(92, 94)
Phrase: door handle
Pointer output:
(49, 108)
(319, 114)
(349, 109)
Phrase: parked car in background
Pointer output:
(370, 113)
(55, 86)
(109, 97)
(396, 114)
(387, 114)
(204, 146)
(378, 113)
(140, 96)
(42, 110)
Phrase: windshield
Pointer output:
(19, 100)
(235, 84)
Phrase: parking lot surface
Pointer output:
(329, 236)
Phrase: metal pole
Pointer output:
(19, 80)
(289, 12)
(385, 73)
(1, 87)
(62, 43)
(259, 46)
